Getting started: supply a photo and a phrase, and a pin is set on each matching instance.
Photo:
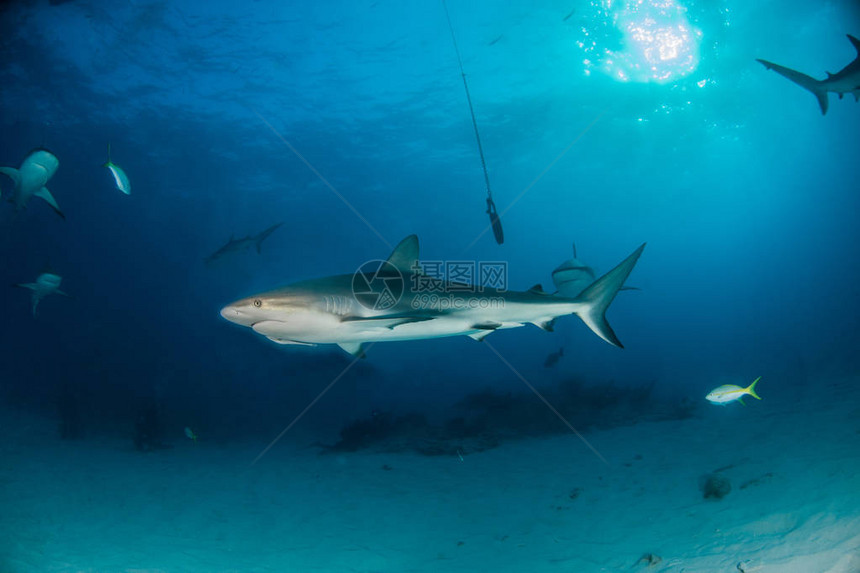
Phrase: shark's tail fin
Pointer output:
(804, 81)
(265, 235)
(596, 298)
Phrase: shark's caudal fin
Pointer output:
(597, 298)
(263, 236)
(804, 81)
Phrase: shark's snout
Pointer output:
(237, 314)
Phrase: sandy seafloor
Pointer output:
(531, 505)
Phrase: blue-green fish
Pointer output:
(730, 393)
(119, 176)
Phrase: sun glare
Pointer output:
(657, 42)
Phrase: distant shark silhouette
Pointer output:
(32, 177)
(236, 245)
(573, 276)
(46, 283)
(845, 81)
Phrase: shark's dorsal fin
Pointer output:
(405, 255)
(537, 289)
(855, 42)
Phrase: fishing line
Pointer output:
(491, 206)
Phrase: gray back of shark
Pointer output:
(333, 310)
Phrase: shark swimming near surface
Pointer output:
(46, 283)
(31, 178)
(335, 310)
(235, 245)
(845, 81)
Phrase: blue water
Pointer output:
(230, 117)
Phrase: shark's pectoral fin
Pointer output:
(854, 42)
(13, 175)
(480, 335)
(285, 341)
(354, 348)
(804, 81)
(389, 321)
(43, 193)
(64, 293)
(31, 286)
(484, 329)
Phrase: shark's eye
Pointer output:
(258, 303)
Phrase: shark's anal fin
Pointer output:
(43, 193)
(354, 348)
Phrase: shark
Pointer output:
(845, 81)
(335, 310)
(46, 283)
(573, 276)
(235, 245)
(31, 178)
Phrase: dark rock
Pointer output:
(714, 486)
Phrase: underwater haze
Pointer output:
(142, 430)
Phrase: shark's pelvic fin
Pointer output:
(815, 86)
(405, 255)
(43, 193)
(597, 298)
(354, 348)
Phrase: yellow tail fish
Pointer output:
(730, 393)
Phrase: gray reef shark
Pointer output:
(32, 177)
(337, 309)
(46, 283)
(236, 245)
(845, 81)
(573, 276)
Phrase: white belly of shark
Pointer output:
(326, 311)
